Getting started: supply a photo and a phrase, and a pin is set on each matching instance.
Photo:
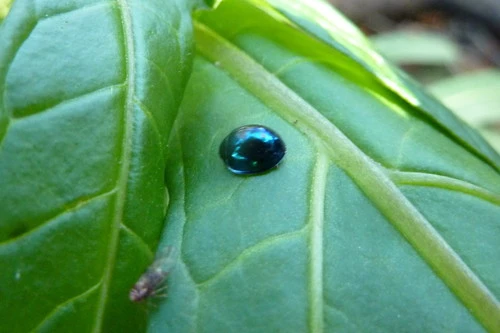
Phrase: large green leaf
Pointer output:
(89, 91)
(384, 216)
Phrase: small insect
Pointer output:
(153, 280)
(251, 150)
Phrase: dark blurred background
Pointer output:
(450, 46)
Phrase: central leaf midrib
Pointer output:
(125, 158)
(373, 180)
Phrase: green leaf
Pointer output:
(90, 90)
(382, 218)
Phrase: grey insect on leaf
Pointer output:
(153, 280)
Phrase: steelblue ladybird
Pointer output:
(252, 149)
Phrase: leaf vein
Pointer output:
(70, 100)
(248, 252)
(38, 328)
(141, 241)
(174, 135)
(444, 182)
(184, 211)
(7, 56)
(202, 209)
(70, 207)
(126, 157)
(315, 223)
(149, 115)
(165, 78)
(399, 156)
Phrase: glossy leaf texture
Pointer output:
(89, 93)
(383, 217)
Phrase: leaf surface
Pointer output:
(89, 91)
(382, 217)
